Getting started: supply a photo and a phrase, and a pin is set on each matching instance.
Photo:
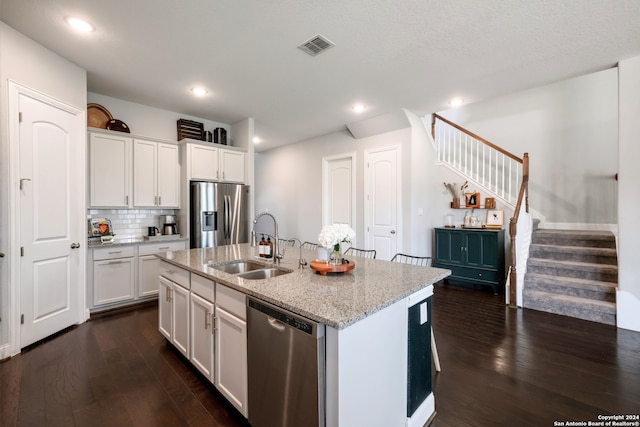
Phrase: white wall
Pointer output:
(148, 121)
(288, 181)
(570, 131)
(628, 296)
(28, 64)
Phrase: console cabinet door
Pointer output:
(180, 328)
(165, 314)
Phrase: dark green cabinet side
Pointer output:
(474, 256)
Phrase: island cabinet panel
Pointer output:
(231, 371)
(202, 335)
(474, 256)
(174, 304)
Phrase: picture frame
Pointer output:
(472, 200)
(495, 218)
(490, 203)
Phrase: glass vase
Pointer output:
(335, 257)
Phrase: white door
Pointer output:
(382, 201)
(202, 330)
(51, 217)
(338, 198)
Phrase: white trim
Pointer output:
(325, 187)
(14, 91)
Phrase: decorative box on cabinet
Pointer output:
(474, 256)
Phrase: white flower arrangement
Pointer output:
(332, 235)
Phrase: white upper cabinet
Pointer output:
(156, 174)
(109, 170)
(207, 163)
(232, 166)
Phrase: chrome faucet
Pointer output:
(301, 261)
(276, 246)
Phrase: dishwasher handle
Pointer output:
(275, 324)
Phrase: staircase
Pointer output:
(573, 273)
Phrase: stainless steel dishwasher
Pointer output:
(286, 358)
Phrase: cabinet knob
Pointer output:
(393, 231)
(75, 245)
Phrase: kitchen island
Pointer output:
(366, 318)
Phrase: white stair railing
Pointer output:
(477, 159)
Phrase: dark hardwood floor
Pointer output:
(500, 367)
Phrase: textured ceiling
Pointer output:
(389, 54)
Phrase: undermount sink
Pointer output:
(238, 267)
(265, 273)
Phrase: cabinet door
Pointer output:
(109, 170)
(482, 249)
(165, 317)
(204, 162)
(148, 268)
(232, 166)
(144, 173)
(202, 336)
(168, 176)
(450, 246)
(231, 359)
(180, 325)
(113, 281)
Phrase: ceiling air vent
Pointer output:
(316, 44)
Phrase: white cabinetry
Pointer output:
(156, 177)
(148, 265)
(202, 325)
(173, 310)
(113, 275)
(109, 170)
(215, 164)
(231, 346)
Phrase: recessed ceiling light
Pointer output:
(199, 91)
(358, 108)
(256, 140)
(80, 25)
(456, 102)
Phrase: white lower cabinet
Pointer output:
(202, 335)
(231, 347)
(113, 275)
(206, 322)
(148, 265)
(173, 314)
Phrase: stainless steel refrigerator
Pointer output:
(219, 214)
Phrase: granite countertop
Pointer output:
(336, 300)
(93, 243)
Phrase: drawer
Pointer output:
(231, 300)
(175, 274)
(203, 287)
(475, 274)
(156, 248)
(113, 252)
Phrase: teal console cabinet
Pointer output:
(474, 256)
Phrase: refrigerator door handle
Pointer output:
(227, 217)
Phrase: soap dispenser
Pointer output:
(268, 251)
(261, 247)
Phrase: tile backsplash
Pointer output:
(130, 223)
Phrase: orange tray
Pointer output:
(323, 268)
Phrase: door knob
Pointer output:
(75, 245)
(1, 254)
(393, 231)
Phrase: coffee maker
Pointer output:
(170, 226)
